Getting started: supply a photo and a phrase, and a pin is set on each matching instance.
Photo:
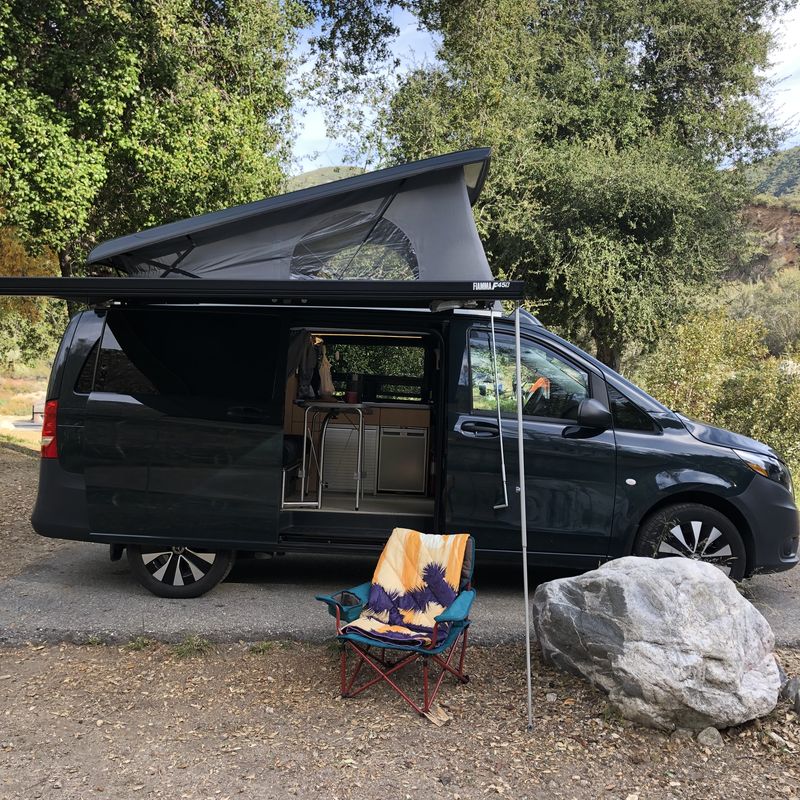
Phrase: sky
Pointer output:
(313, 148)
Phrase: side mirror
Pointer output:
(593, 414)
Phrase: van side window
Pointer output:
(627, 415)
(86, 376)
(115, 371)
(188, 353)
(552, 386)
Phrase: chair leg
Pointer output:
(425, 704)
(343, 669)
(461, 676)
(384, 669)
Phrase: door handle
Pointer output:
(480, 430)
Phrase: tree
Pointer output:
(610, 122)
(30, 327)
(120, 115)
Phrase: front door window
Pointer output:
(552, 387)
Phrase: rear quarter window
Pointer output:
(186, 353)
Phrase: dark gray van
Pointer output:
(199, 410)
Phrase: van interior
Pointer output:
(360, 396)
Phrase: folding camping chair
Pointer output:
(417, 574)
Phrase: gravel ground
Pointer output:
(19, 476)
(138, 721)
(108, 722)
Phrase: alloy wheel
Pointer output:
(701, 541)
(178, 566)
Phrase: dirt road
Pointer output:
(55, 591)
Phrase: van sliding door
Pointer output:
(183, 436)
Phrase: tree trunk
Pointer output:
(607, 343)
(65, 265)
(607, 353)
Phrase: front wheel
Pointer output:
(179, 572)
(695, 531)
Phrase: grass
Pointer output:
(28, 444)
(94, 640)
(193, 645)
(261, 648)
(138, 644)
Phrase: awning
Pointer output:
(375, 294)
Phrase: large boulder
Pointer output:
(671, 641)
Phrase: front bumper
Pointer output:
(771, 514)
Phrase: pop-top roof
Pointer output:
(410, 222)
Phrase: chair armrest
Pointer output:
(459, 609)
(340, 601)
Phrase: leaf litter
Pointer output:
(78, 721)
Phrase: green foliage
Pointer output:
(139, 643)
(26, 337)
(193, 645)
(775, 303)
(30, 327)
(690, 367)
(763, 402)
(609, 122)
(118, 115)
(405, 361)
(717, 369)
(262, 648)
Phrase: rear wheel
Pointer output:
(695, 531)
(179, 572)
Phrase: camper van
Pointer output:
(306, 373)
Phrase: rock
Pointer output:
(671, 641)
(711, 738)
(797, 705)
(791, 689)
(551, 697)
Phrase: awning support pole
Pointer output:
(523, 516)
(504, 504)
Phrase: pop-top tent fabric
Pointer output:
(410, 222)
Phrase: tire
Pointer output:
(693, 531)
(179, 572)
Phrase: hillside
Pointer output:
(779, 175)
(774, 216)
(315, 177)
(778, 230)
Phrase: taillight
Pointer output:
(49, 444)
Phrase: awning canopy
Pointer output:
(412, 222)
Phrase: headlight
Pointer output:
(768, 467)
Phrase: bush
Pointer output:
(718, 369)
(776, 303)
